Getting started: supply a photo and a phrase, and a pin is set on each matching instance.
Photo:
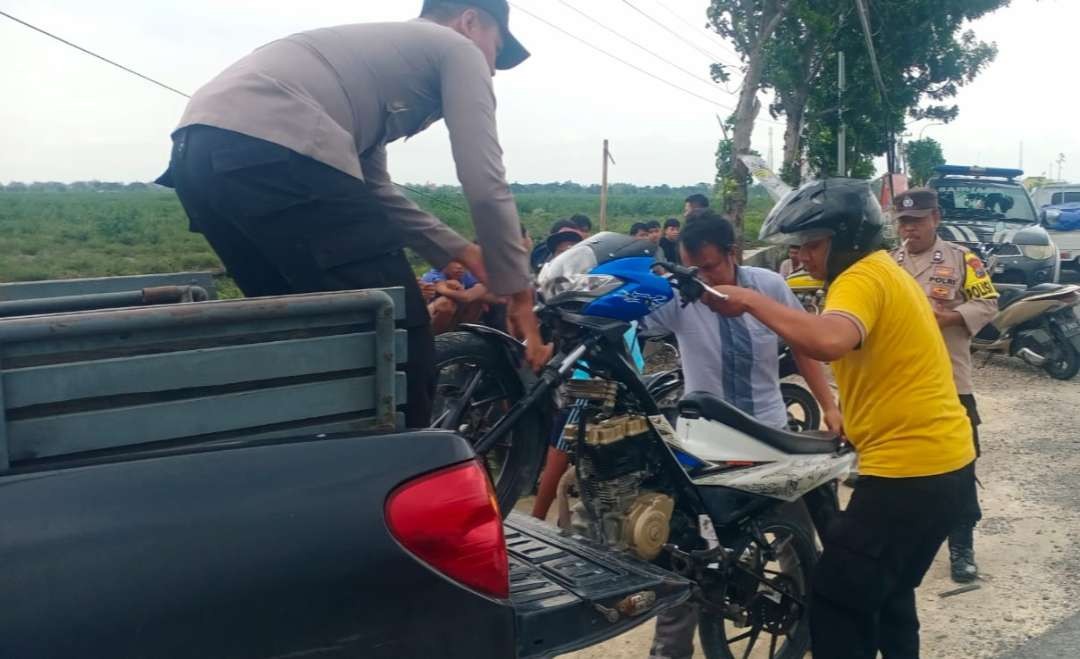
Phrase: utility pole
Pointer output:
(603, 188)
(841, 141)
(1060, 162)
(1021, 165)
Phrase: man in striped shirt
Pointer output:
(735, 359)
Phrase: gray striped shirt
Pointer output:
(735, 359)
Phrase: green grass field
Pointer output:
(61, 235)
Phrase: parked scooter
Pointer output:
(1039, 325)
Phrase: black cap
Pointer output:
(915, 203)
(563, 236)
(512, 53)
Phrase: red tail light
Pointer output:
(450, 520)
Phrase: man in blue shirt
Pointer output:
(736, 359)
(459, 297)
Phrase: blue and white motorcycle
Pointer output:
(720, 498)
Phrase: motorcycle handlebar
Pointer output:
(685, 280)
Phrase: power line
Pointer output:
(147, 78)
(690, 25)
(93, 54)
(433, 198)
(864, 18)
(650, 18)
(621, 60)
(890, 155)
(639, 46)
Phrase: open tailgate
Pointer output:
(567, 592)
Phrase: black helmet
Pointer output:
(841, 208)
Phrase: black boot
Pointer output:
(962, 554)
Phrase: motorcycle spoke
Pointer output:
(488, 401)
(753, 639)
(740, 637)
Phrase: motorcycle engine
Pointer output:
(611, 468)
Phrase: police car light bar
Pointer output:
(966, 170)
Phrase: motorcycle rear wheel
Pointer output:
(802, 409)
(1065, 363)
(788, 526)
(466, 361)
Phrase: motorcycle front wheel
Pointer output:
(475, 387)
(1064, 363)
(772, 625)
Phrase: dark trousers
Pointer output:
(283, 223)
(963, 536)
(876, 553)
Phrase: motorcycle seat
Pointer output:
(699, 404)
(1009, 295)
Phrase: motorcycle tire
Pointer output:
(799, 400)
(721, 639)
(513, 465)
(1065, 364)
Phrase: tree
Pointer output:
(922, 157)
(750, 24)
(800, 49)
(1032, 182)
(925, 55)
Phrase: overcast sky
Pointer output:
(68, 117)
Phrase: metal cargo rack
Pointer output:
(79, 384)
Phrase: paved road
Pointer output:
(1061, 641)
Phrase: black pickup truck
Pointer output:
(229, 479)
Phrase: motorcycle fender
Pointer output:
(788, 480)
(511, 347)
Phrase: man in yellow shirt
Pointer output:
(901, 413)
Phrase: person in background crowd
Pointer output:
(562, 240)
(459, 297)
(669, 243)
(791, 263)
(639, 230)
(964, 301)
(655, 233)
(583, 224)
(694, 202)
(540, 254)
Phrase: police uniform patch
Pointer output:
(944, 271)
(939, 257)
(976, 265)
(941, 292)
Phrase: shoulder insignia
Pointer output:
(976, 265)
(939, 256)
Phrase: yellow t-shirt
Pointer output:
(901, 409)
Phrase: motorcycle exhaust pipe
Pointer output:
(1031, 357)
